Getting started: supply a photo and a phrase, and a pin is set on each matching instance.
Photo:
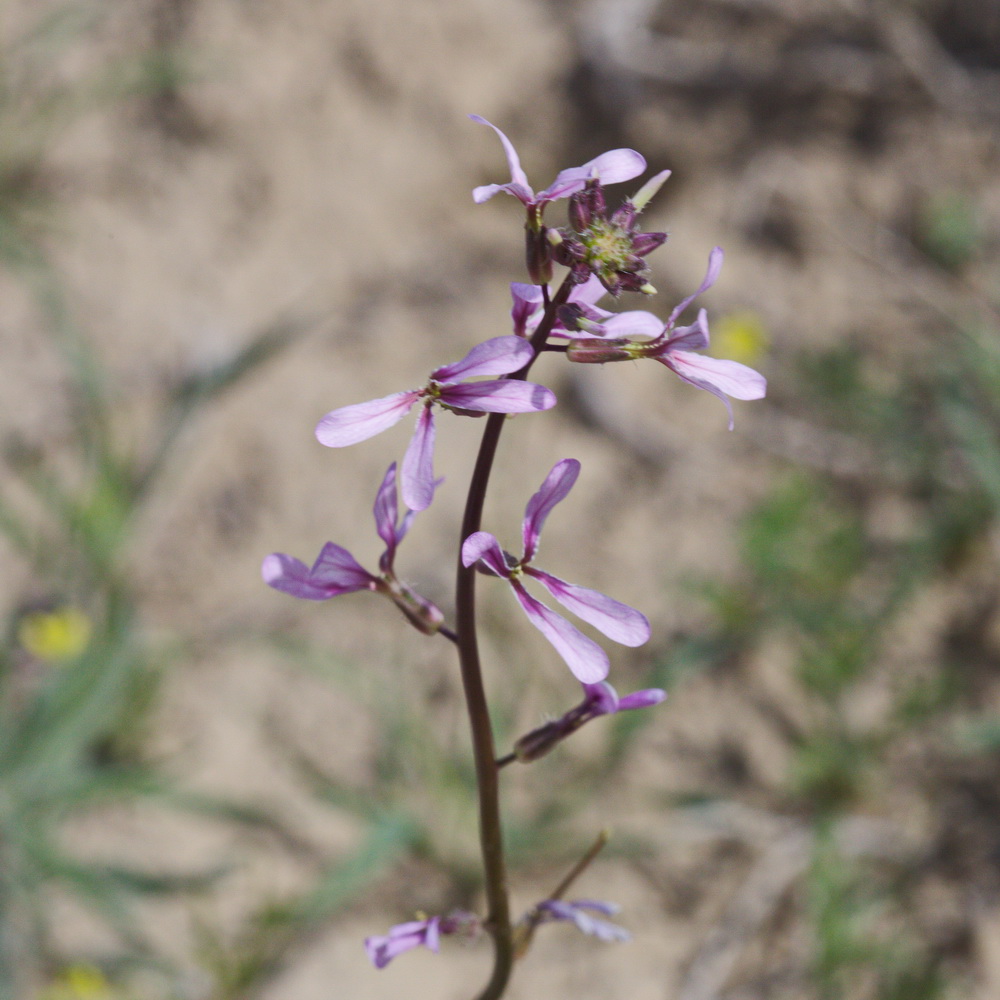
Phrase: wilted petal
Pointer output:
(499, 396)
(482, 545)
(418, 464)
(557, 485)
(583, 656)
(616, 620)
(714, 267)
(351, 424)
(518, 185)
(492, 357)
(335, 572)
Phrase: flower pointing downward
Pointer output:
(446, 387)
(617, 621)
(337, 572)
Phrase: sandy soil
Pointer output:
(316, 170)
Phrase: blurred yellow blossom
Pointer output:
(741, 336)
(79, 982)
(54, 636)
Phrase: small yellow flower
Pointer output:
(79, 982)
(54, 636)
(741, 336)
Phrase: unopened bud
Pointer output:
(422, 614)
(539, 741)
(594, 351)
(538, 254)
(645, 194)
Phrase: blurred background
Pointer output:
(220, 219)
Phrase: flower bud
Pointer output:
(594, 351)
(422, 614)
(645, 194)
(538, 254)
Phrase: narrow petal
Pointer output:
(711, 275)
(482, 545)
(642, 699)
(335, 572)
(616, 620)
(518, 186)
(609, 168)
(417, 472)
(351, 424)
(387, 513)
(499, 396)
(555, 489)
(492, 357)
(583, 656)
(486, 191)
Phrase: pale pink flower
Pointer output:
(446, 387)
(673, 346)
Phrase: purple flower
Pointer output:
(611, 167)
(336, 571)
(617, 621)
(446, 387)
(599, 699)
(382, 949)
(673, 347)
(576, 912)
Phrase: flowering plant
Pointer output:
(602, 253)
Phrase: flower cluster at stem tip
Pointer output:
(604, 253)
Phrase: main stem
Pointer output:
(484, 751)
